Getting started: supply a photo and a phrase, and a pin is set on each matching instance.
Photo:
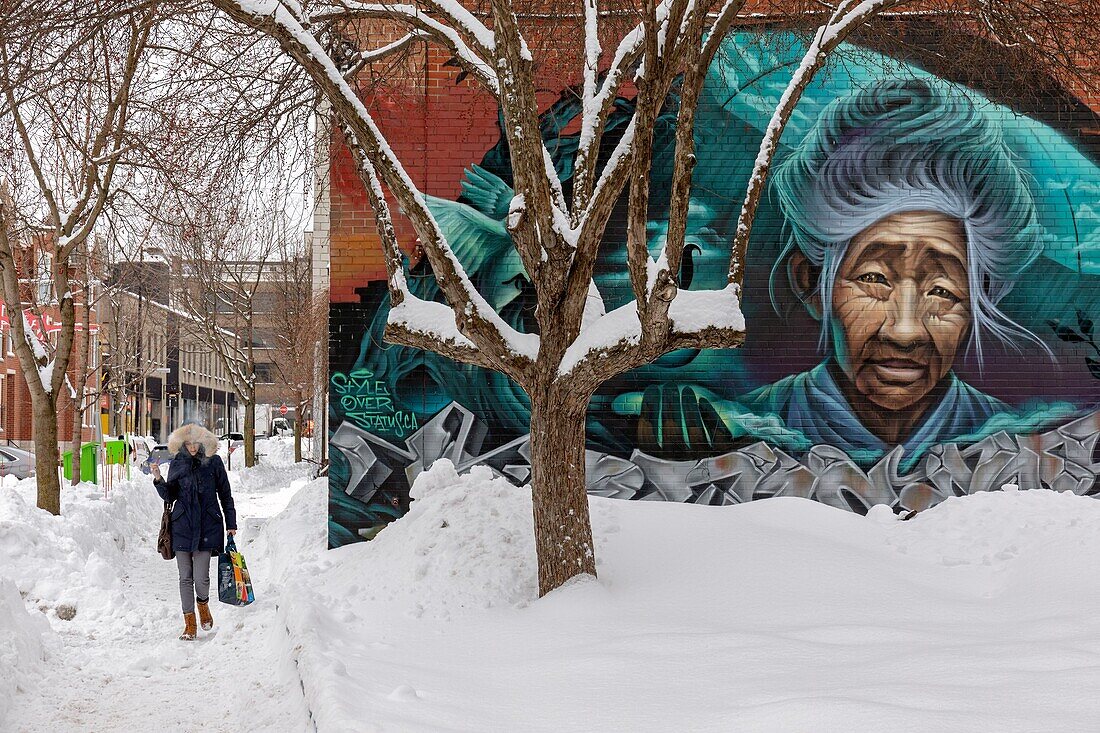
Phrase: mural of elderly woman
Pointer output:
(909, 221)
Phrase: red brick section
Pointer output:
(437, 128)
(435, 134)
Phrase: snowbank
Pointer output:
(780, 615)
(279, 450)
(21, 651)
(466, 543)
(73, 563)
(297, 536)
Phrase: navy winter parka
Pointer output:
(198, 485)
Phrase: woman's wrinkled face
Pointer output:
(901, 304)
(192, 447)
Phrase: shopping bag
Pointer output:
(234, 585)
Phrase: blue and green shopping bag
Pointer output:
(234, 585)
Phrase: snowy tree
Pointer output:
(68, 91)
(223, 248)
(578, 344)
(298, 325)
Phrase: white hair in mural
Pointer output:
(903, 146)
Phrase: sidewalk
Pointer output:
(120, 667)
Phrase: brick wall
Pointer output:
(792, 412)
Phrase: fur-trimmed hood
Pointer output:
(193, 433)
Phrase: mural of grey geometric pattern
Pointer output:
(1064, 459)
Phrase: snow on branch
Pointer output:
(697, 311)
(481, 322)
(361, 59)
(597, 100)
(44, 363)
(697, 319)
(616, 329)
(433, 320)
(472, 57)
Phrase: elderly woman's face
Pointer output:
(902, 303)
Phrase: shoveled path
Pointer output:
(130, 673)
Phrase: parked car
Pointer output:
(281, 426)
(16, 462)
(235, 440)
(159, 455)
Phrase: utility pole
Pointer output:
(139, 412)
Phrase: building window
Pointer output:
(44, 278)
(263, 374)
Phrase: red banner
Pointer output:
(40, 327)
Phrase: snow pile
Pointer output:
(113, 662)
(466, 543)
(774, 616)
(278, 451)
(73, 563)
(296, 536)
(1038, 546)
(21, 651)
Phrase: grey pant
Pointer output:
(194, 577)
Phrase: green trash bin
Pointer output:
(88, 463)
(115, 451)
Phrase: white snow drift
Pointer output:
(782, 615)
(89, 614)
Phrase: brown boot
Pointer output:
(205, 618)
(189, 630)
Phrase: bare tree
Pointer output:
(68, 81)
(298, 325)
(578, 345)
(226, 250)
(84, 368)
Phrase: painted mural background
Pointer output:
(922, 298)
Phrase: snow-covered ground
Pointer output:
(109, 659)
(781, 616)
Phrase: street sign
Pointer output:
(283, 410)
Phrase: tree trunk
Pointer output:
(563, 532)
(76, 437)
(298, 440)
(250, 433)
(46, 456)
(118, 408)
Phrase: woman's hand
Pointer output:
(231, 532)
(155, 469)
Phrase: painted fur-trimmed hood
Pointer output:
(193, 433)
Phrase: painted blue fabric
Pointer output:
(811, 403)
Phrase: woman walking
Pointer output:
(198, 484)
